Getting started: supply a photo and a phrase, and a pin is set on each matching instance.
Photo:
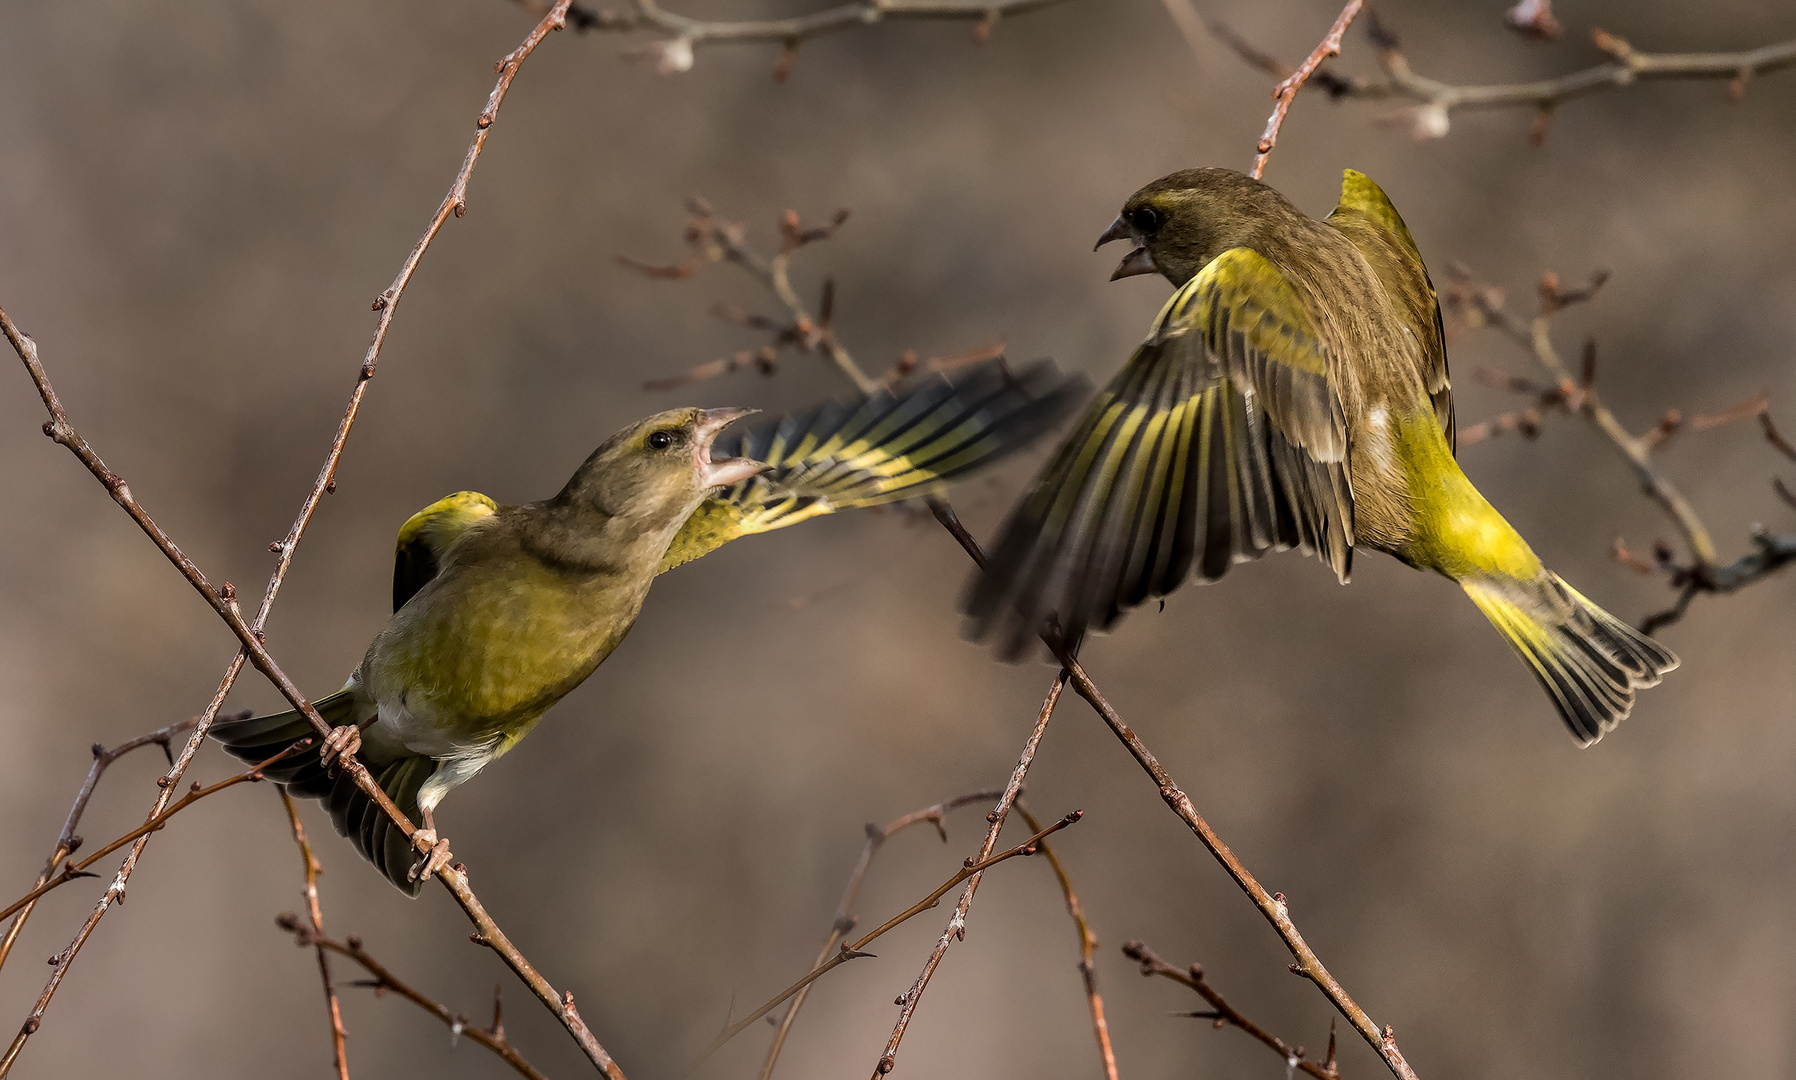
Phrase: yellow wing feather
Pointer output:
(426, 536)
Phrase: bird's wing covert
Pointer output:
(426, 536)
(1222, 438)
(893, 445)
(1367, 218)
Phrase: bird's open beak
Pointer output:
(723, 471)
(1137, 261)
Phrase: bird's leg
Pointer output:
(433, 854)
(340, 744)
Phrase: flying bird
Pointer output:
(500, 611)
(1292, 393)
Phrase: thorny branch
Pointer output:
(492, 1038)
(1286, 91)
(1088, 947)
(957, 924)
(1475, 304)
(1271, 905)
(224, 602)
(1223, 1013)
(72, 870)
(1430, 117)
(67, 841)
(713, 239)
(681, 34)
(315, 927)
(845, 920)
(846, 951)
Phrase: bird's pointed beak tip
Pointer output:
(1118, 230)
(1137, 261)
(712, 421)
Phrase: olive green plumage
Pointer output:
(1292, 393)
(500, 611)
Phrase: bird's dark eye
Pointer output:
(661, 440)
(1145, 219)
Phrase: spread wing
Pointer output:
(888, 447)
(1373, 225)
(427, 534)
(1221, 439)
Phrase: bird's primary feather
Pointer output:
(890, 446)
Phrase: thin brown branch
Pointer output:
(1286, 91)
(957, 924)
(384, 980)
(845, 919)
(315, 912)
(1088, 948)
(1271, 905)
(67, 841)
(1704, 573)
(224, 602)
(72, 870)
(847, 951)
(1225, 1014)
(1430, 116)
(680, 35)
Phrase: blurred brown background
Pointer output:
(199, 200)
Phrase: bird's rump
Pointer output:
(1222, 438)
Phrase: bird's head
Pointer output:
(1180, 222)
(658, 469)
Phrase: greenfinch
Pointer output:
(1292, 393)
(500, 611)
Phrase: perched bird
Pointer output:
(500, 611)
(1292, 393)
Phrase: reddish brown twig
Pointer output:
(1088, 948)
(315, 913)
(1431, 115)
(1225, 1014)
(681, 34)
(847, 951)
(67, 842)
(72, 870)
(1479, 305)
(957, 924)
(1286, 91)
(845, 919)
(492, 1038)
(1271, 905)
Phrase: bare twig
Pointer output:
(1430, 117)
(1223, 1013)
(957, 924)
(315, 913)
(223, 601)
(1478, 304)
(384, 980)
(1088, 947)
(67, 842)
(845, 919)
(1286, 91)
(847, 951)
(1271, 905)
(680, 35)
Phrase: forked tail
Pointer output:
(1589, 661)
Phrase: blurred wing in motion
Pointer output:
(1368, 220)
(426, 536)
(1221, 439)
(891, 446)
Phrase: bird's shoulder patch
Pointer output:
(1241, 292)
(427, 535)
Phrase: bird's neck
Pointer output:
(588, 540)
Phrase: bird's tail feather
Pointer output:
(1589, 662)
(352, 811)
